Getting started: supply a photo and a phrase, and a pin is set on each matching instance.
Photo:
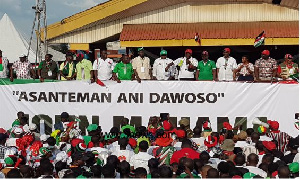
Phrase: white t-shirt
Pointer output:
(226, 68)
(159, 67)
(256, 171)
(140, 160)
(123, 154)
(104, 68)
(184, 73)
(199, 141)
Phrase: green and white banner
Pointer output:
(217, 101)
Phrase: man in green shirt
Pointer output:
(83, 68)
(123, 69)
(206, 69)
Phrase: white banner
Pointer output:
(150, 98)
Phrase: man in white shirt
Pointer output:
(225, 66)
(122, 152)
(187, 66)
(103, 67)
(159, 68)
(141, 66)
(252, 161)
(141, 159)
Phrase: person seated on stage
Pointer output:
(206, 69)
(288, 68)
(244, 71)
(123, 69)
(48, 69)
(23, 68)
(84, 68)
(67, 69)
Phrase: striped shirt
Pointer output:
(2, 151)
(282, 138)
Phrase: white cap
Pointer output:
(23, 55)
(18, 130)
(32, 127)
(44, 137)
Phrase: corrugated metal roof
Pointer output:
(240, 30)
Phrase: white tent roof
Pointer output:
(13, 44)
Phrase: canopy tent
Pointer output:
(13, 44)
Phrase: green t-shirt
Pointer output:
(124, 71)
(206, 70)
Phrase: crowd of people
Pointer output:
(159, 150)
(139, 68)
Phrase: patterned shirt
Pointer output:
(282, 138)
(265, 67)
(244, 70)
(22, 69)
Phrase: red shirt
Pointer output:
(185, 152)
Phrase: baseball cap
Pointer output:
(265, 52)
(163, 52)
(205, 53)
(294, 167)
(273, 124)
(188, 51)
(140, 49)
(227, 50)
(23, 55)
(289, 56)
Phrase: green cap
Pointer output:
(294, 167)
(92, 127)
(9, 161)
(248, 175)
(81, 176)
(139, 49)
(123, 136)
(163, 52)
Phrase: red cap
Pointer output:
(206, 125)
(189, 51)
(163, 141)
(79, 55)
(2, 131)
(180, 133)
(205, 53)
(288, 56)
(269, 145)
(227, 125)
(237, 176)
(167, 125)
(76, 141)
(227, 50)
(132, 142)
(210, 141)
(265, 52)
(274, 125)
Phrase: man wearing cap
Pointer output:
(159, 68)
(103, 67)
(244, 71)
(141, 66)
(187, 66)
(206, 69)
(288, 67)
(67, 68)
(123, 70)
(83, 68)
(48, 69)
(281, 137)
(3, 66)
(265, 68)
(225, 66)
(22, 68)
